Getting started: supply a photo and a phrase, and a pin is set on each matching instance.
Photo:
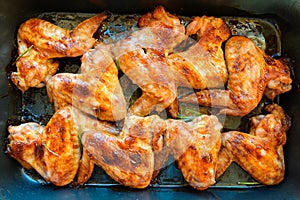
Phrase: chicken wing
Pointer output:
(279, 80)
(128, 157)
(141, 57)
(168, 27)
(250, 73)
(148, 70)
(195, 146)
(167, 69)
(260, 153)
(39, 41)
(53, 151)
(202, 65)
(160, 31)
(96, 90)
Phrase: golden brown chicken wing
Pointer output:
(260, 153)
(141, 56)
(164, 25)
(96, 90)
(202, 65)
(279, 80)
(148, 70)
(127, 157)
(53, 151)
(250, 73)
(195, 146)
(40, 41)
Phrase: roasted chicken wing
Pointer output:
(141, 56)
(260, 153)
(158, 57)
(202, 65)
(148, 70)
(54, 150)
(195, 146)
(166, 26)
(250, 73)
(96, 90)
(127, 157)
(39, 41)
(158, 63)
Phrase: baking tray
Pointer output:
(17, 183)
(34, 105)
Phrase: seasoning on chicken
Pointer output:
(141, 56)
(251, 73)
(260, 153)
(148, 70)
(127, 157)
(95, 91)
(202, 65)
(195, 146)
(166, 26)
(158, 71)
(53, 150)
(40, 41)
(157, 60)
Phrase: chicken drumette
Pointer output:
(40, 41)
(251, 74)
(96, 90)
(195, 146)
(260, 153)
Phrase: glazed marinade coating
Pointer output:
(40, 41)
(88, 105)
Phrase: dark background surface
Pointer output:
(13, 184)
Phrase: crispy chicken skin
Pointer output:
(159, 57)
(260, 153)
(128, 157)
(195, 146)
(33, 70)
(279, 80)
(53, 151)
(165, 25)
(158, 71)
(85, 170)
(141, 57)
(96, 90)
(49, 41)
(202, 65)
(250, 73)
(85, 124)
(148, 70)
(160, 31)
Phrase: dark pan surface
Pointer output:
(15, 183)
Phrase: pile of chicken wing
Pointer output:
(227, 72)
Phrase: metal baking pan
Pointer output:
(274, 31)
